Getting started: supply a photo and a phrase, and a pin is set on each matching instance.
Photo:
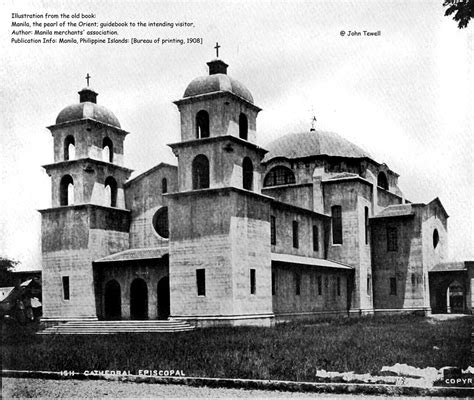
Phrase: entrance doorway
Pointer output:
(139, 299)
(163, 296)
(455, 298)
(112, 300)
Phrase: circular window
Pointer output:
(160, 222)
(435, 238)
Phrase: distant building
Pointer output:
(235, 234)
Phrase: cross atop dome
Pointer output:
(87, 94)
(217, 66)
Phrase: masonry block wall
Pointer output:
(151, 271)
(300, 195)
(250, 238)
(399, 274)
(321, 290)
(144, 197)
(224, 109)
(89, 181)
(72, 237)
(386, 198)
(285, 215)
(434, 234)
(352, 196)
(209, 234)
(225, 155)
(88, 137)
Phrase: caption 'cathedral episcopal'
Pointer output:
(236, 234)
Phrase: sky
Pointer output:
(405, 96)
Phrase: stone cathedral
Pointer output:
(235, 234)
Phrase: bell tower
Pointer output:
(87, 219)
(220, 268)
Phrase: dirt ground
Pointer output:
(42, 388)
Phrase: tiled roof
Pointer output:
(449, 266)
(313, 143)
(134, 254)
(317, 262)
(397, 210)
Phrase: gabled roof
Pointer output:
(398, 210)
(134, 255)
(438, 202)
(150, 171)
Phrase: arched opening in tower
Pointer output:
(202, 124)
(200, 170)
(247, 174)
(66, 191)
(69, 148)
(110, 192)
(243, 126)
(107, 150)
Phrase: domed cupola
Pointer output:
(217, 81)
(87, 108)
(311, 144)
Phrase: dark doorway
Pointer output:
(138, 299)
(112, 300)
(456, 298)
(163, 296)
(200, 169)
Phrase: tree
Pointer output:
(6, 271)
(462, 9)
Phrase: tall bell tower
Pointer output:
(220, 268)
(87, 219)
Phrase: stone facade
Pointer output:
(235, 234)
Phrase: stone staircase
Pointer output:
(114, 327)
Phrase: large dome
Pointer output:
(217, 83)
(87, 108)
(313, 143)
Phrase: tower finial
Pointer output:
(313, 122)
(217, 47)
(87, 79)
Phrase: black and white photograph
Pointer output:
(236, 199)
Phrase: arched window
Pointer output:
(279, 176)
(164, 186)
(200, 172)
(107, 150)
(435, 238)
(160, 222)
(247, 174)
(69, 148)
(202, 124)
(66, 191)
(382, 181)
(243, 126)
(110, 192)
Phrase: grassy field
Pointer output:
(293, 351)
